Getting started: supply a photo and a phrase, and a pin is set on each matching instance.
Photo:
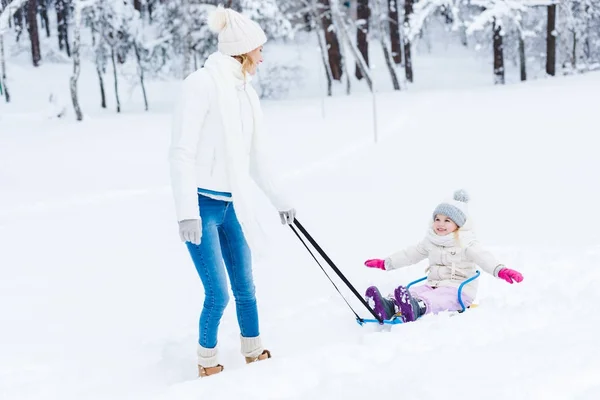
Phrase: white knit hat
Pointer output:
(238, 34)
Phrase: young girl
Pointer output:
(454, 255)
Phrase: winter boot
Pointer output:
(384, 308)
(262, 356)
(411, 308)
(208, 371)
(404, 302)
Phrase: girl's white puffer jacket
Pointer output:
(450, 263)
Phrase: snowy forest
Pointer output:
(168, 39)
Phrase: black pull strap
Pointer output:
(335, 269)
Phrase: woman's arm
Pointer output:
(188, 118)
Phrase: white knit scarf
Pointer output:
(227, 74)
(465, 238)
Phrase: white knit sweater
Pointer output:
(217, 141)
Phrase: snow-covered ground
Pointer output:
(99, 299)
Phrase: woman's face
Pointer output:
(256, 58)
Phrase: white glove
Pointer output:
(190, 230)
(287, 217)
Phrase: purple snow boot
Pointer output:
(384, 308)
(404, 303)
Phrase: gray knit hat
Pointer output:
(455, 209)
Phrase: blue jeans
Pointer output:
(223, 242)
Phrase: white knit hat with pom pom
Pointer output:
(455, 209)
(238, 34)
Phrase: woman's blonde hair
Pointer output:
(246, 62)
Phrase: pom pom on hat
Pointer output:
(217, 19)
(238, 34)
(461, 195)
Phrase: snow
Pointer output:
(99, 299)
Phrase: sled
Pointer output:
(396, 319)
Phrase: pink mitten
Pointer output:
(510, 275)
(375, 263)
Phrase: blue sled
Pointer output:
(397, 320)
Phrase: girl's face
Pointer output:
(443, 225)
(256, 58)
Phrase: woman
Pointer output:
(216, 156)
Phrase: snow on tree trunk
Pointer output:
(141, 73)
(498, 53)
(3, 69)
(76, 60)
(394, 23)
(333, 45)
(381, 17)
(114, 64)
(408, 10)
(363, 13)
(32, 26)
(551, 41)
(522, 58)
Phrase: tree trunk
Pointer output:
(574, 53)
(355, 52)
(522, 59)
(345, 62)
(76, 61)
(394, 23)
(380, 17)
(18, 17)
(3, 70)
(408, 10)
(363, 13)
(44, 15)
(137, 4)
(390, 64)
(62, 13)
(32, 26)
(333, 45)
(114, 64)
(551, 41)
(319, 32)
(102, 92)
(498, 54)
(141, 72)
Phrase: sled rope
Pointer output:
(333, 267)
